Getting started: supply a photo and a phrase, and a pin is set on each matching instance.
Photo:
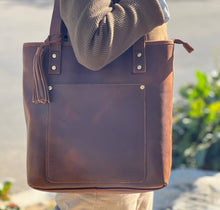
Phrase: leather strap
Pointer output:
(55, 49)
(56, 22)
(139, 58)
(57, 28)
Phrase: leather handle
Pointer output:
(57, 28)
(56, 22)
(55, 49)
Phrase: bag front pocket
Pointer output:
(96, 133)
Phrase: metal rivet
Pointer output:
(139, 67)
(54, 68)
(54, 55)
(139, 55)
(50, 87)
(142, 87)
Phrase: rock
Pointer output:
(190, 189)
(205, 195)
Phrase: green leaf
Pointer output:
(202, 80)
(202, 87)
(211, 118)
(214, 107)
(7, 186)
(197, 108)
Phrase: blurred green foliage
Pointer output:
(5, 203)
(4, 191)
(196, 124)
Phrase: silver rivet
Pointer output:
(54, 68)
(139, 55)
(142, 87)
(139, 67)
(50, 87)
(54, 55)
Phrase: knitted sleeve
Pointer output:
(100, 31)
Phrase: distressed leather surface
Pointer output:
(101, 131)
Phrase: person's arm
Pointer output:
(100, 31)
(165, 9)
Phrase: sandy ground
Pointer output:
(193, 21)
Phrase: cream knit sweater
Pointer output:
(100, 31)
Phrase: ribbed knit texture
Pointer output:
(100, 31)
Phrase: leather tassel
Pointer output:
(40, 91)
(186, 45)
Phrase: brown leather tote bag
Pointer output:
(106, 131)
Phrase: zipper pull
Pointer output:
(186, 45)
